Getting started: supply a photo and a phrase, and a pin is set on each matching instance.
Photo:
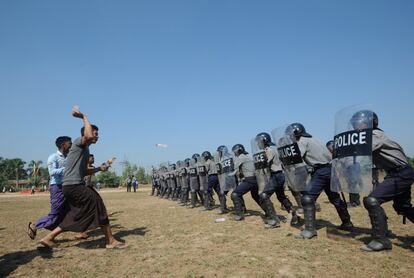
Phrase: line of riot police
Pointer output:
(309, 166)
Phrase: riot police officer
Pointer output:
(185, 182)
(245, 170)
(155, 182)
(212, 181)
(389, 156)
(178, 179)
(163, 180)
(276, 181)
(225, 165)
(315, 154)
(194, 180)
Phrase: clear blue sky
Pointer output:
(198, 74)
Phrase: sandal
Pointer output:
(31, 232)
(119, 245)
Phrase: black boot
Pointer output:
(409, 213)
(379, 226)
(193, 199)
(201, 197)
(223, 206)
(207, 200)
(273, 220)
(309, 211)
(345, 217)
(354, 200)
(298, 200)
(238, 206)
(186, 196)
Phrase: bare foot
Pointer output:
(116, 245)
(82, 235)
(46, 243)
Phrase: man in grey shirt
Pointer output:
(87, 210)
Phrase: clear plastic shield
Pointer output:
(192, 171)
(295, 169)
(261, 169)
(202, 175)
(184, 175)
(352, 151)
(225, 160)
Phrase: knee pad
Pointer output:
(235, 196)
(307, 200)
(370, 202)
(263, 196)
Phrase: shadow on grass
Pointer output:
(10, 262)
(100, 242)
(364, 235)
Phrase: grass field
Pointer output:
(167, 240)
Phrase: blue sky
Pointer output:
(198, 74)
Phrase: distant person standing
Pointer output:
(135, 184)
(87, 210)
(129, 183)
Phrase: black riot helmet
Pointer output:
(363, 119)
(330, 145)
(238, 149)
(221, 150)
(179, 163)
(298, 130)
(264, 140)
(196, 157)
(173, 167)
(187, 162)
(206, 155)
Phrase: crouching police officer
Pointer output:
(396, 187)
(276, 183)
(315, 154)
(212, 180)
(244, 168)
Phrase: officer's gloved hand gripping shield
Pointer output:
(261, 167)
(225, 165)
(294, 167)
(352, 150)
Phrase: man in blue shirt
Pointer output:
(58, 208)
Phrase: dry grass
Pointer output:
(167, 240)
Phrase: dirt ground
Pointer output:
(167, 240)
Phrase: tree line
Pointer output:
(17, 174)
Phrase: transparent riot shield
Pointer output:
(352, 151)
(184, 175)
(295, 169)
(192, 171)
(178, 173)
(226, 161)
(261, 166)
(202, 174)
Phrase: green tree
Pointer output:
(141, 175)
(17, 166)
(108, 178)
(34, 168)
